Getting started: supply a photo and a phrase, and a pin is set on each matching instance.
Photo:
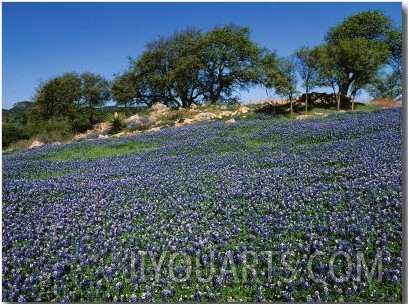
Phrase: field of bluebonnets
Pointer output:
(278, 211)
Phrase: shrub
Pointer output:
(80, 124)
(20, 144)
(118, 123)
(175, 115)
(12, 133)
(50, 130)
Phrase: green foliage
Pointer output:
(369, 25)
(307, 67)
(389, 84)
(51, 130)
(350, 64)
(12, 133)
(17, 145)
(164, 73)
(105, 113)
(356, 49)
(118, 123)
(394, 40)
(286, 80)
(57, 98)
(386, 85)
(71, 97)
(231, 61)
(95, 92)
(19, 132)
(80, 123)
(269, 69)
(98, 151)
(194, 67)
(306, 63)
(189, 67)
(18, 113)
(14, 124)
(124, 89)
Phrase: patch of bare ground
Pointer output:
(386, 103)
(304, 117)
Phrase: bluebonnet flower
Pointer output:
(166, 294)
(328, 184)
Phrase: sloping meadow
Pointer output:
(256, 210)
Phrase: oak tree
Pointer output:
(286, 80)
(306, 64)
(358, 48)
(230, 61)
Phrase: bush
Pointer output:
(21, 144)
(12, 133)
(80, 124)
(118, 123)
(175, 115)
(51, 130)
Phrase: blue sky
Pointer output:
(43, 40)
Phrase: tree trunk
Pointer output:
(213, 99)
(307, 93)
(346, 86)
(344, 89)
(337, 95)
(353, 96)
(338, 100)
(291, 106)
(91, 120)
(215, 96)
(190, 102)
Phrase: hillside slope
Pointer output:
(82, 216)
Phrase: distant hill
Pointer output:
(21, 106)
(18, 113)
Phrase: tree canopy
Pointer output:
(394, 41)
(388, 81)
(72, 97)
(286, 79)
(364, 51)
(306, 64)
(370, 25)
(95, 92)
(189, 67)
(356, 49)
(229, 62)
(124, 89)
(194, 67)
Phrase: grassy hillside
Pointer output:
(18, 133)
(260, 209)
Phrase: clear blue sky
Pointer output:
(43, 40)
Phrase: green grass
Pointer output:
(97, 152)
(47, 175)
